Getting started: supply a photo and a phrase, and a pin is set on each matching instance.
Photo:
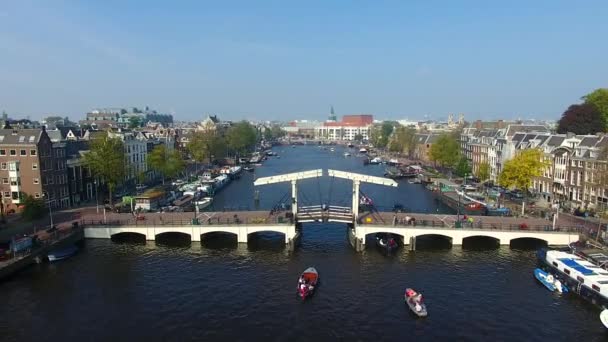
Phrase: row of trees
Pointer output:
(588, 117)
(107, 162)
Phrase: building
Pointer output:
(135, 150)
(103, 118)
(424, 141)
(30, 163)
(350, 127)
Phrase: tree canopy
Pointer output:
(241, 137)
(483, 173)
(463, 168)
(33, 208)
(380, 134)
(582, 119)
(168, 162)
(273, 133)
(206, 146)
(106, 161)
(403, 140)
(445, 150)
(599, 98)
(522, 169)
(135, 121)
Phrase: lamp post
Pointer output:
(48, 202)
(96, 196)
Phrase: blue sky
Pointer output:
(287, 59)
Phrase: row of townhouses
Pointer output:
(49, 164)
(574, 168)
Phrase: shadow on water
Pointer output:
(527, 244)
(173, 239)
(480, 243)
(268, 241)
(433, 242)
(129, 238)
(219, 240)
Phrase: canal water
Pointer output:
(174, 291)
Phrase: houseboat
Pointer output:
(150, 200)
(580, 274)
(447, 192)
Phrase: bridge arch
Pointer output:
(480, 241)
(173, 237)
(433, 241)
(128, 237)
(528, 242)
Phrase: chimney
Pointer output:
(478, 124)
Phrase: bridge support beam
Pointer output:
(412, 243)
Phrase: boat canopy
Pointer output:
(575, 265)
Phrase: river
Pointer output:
(125, 291)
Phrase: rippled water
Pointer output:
(229, 292)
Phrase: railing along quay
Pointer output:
(439, 224)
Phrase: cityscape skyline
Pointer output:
(270, 62)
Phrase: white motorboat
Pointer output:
(362, 151)
(346, 154)
(203, 202)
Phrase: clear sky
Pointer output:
(293, 59)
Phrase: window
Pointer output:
(33, 152)
(581, 279)
(3, 166)
(13, 152)
(2, 152)
(567, 271)
(4, 180)
(23, 153)
(15, 181)
(554, 264)
(15, 195)
(36, 181)
(37, 194)
(34, 166)
(595, 287)
(51, 180)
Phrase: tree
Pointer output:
(205, 146)
(33, 208)
(599, 98)
(106, 161)
(380, 134)
(134, 122)
(403, 140)
(168, 163)
(522, 169)
(358, 137)
(445, 150)
(463, 168)
(241, 137)
(582, 119)
(483, 173)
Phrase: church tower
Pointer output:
(332, 115)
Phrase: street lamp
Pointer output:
(48, 202)
(96, 196)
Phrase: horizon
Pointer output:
(272, 61)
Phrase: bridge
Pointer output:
(361, 224)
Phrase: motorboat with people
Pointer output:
(386, 242)
(307, 283)
(549, 281)
(62, 253)
(415, 302)
(604, 317)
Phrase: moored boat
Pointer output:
(549, 281)
(362, 150)
(62, 253)
(386, 242)
(307, 283)
(604, 317)
(415, 302)
(346, 154)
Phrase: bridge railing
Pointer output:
(157, 222)
(439, 224)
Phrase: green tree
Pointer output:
(403, 140)
(599, 98)
(483, 173)
(359, 137)
(522, 169)
(241, 138)
(445, 151)
(106, 161)
(380, 134)
(168, 162)
(134, 122)
(205, 146)
(33, 208)
(463, 168)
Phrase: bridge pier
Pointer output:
(412, 243)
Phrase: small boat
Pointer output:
(376, 160)
(332, 149)
(203, 203)
(307, 283)
(415, 181)
(346, 154)
(350, 145)
(604, 317)
(362, 151)
(549, 281)
(386, 242)
(414, 300)
(62, 253)
(248, 168)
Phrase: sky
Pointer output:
(280, 60)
